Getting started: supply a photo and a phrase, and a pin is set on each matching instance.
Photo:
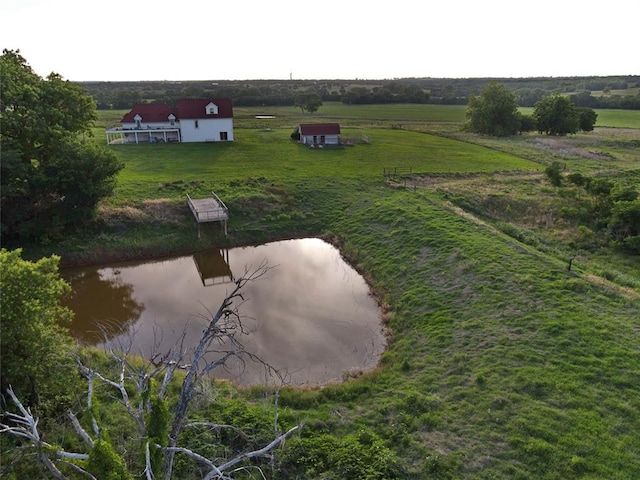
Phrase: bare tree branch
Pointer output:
(148, 471)
(195, 373)
(193, 455)
(80, 470)
(27, 427)
(94, 422)
(79, 430)
(256, 453)
(276, 429)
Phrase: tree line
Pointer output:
(495, 112)
(123, 95)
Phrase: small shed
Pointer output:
(319, 134)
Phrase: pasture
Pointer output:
(502, 363)
(272, 154)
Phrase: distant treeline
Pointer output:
(610, 92)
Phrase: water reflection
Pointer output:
(213, 267)
(313, 314)
(103, 304)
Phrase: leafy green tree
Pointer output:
(35, 350)
(493, 112)
(308, 102)
(413, 94)
(586, 119)
(556, 115)
(51, 177)
(584, 99)
(527, 123)
(527, 97)
(125, 98)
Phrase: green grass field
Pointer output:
(272, 154)
(502, 364)
(618, 118)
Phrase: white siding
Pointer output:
(328, 139)
(208, 129)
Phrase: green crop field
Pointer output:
(502, 362)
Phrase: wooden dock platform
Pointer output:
(210, 209)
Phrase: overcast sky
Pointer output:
(327, 39)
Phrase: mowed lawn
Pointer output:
(272, 154)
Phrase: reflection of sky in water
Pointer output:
(312, 313)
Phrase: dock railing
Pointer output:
(209, 209)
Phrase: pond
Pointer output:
(311, 316)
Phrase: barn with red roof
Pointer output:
(191, 120)
(319, 134)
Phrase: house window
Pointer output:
(172, 121)
(196, 124)
(137, 123)
(322, 139)
(224, 136)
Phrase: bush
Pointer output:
(360, 456)
(105, 463)
(578, 179)
(554, 173)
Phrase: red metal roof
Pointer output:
(319, 129)
(196, 108)
(186, 108)
(150, 112)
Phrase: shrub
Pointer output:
(362, 455)
(577, 179)
(554, 173)
(105, 463)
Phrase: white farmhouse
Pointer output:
(191, 120)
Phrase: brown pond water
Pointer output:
(311, 317)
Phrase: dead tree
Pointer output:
(222, 326)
